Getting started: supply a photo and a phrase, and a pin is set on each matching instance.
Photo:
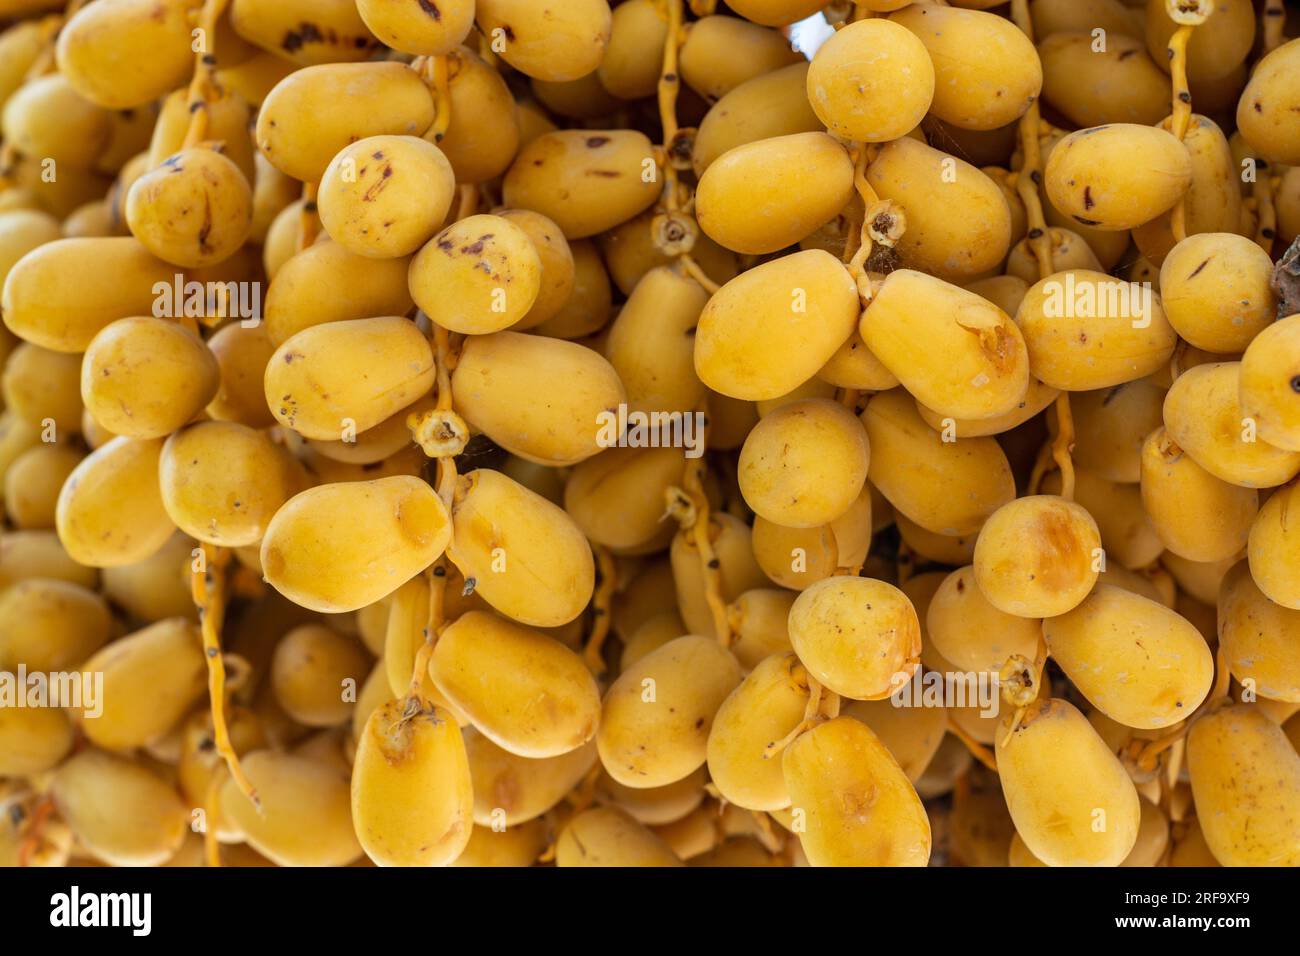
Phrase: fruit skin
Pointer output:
(1139, 662)
(314, 383)
(124, 53)
(504, 386)
(1203, 414)
(873, 81)
(339, 547)
(550, 708)
(804, 465)
(940, 340)
(1037, 556)
(608, 836)
(163, 208)
(767, 705)
(527, 556)
(146, 377)
(770, 329)
(1086, 330)
(1071, 799)
(948, 488)
(314, 112)
(117, 277)
(305, 817)
(763, 196)
(412, 795)
(1257, 637)
(1270, 383)
(552, 41)
(480, 275)
(858, 636)
(146, 822)
(1088, 181)
(1263, 112)
(587, 181)
(384, 196)
(651, 742)
(1244, 775)
(407, 26)
(991, 91)
(110, 510)
(860, 808)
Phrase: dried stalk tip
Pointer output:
(440, 432)
(1189, 13)
(673, 233)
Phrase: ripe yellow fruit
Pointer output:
(1139, 662)
(385, 196)
(304, 819)
(560, 42)
(655, 724)
(314, 382)
(315, 671)
(1272, 548)
(802, 181)
(412, 28)
(481, 274)
(315, 112)
(1270, 383)
(1263, 112)
(958, 219)
(117, 277)
(720, 53)
(1085, 330)
(527, 557)
(146, 377)
(608, 836)
(768, 704)
(1215, 290)
(110, 511)
(1256, 635)
(858, 636)
(945, 487)
(956, 352)
(804, 465)
(1089, 179)
(1204, 415)
(1195, 514)
(994, 89)
(1120, 84)
(873, 81)
(550, 707)
(963, 626)
(412, 796)
(120, 810)
(304, 31)
(1244, 772)
(504, 386)
(326, 283)
(587, 181)
(339, 547)
(150, 680)
(194, 210)
(1038, 556)
(772, 328)
(125, 53)
(858, 807)
(1072, 802)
